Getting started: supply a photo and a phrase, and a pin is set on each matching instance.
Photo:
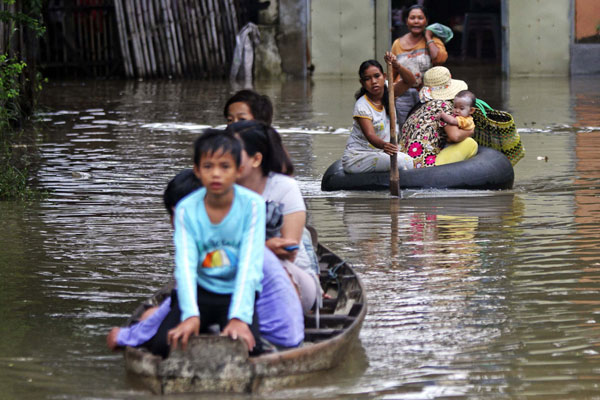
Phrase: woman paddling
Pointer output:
(368, 148)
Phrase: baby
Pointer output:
(464, 106)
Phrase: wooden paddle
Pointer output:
(394, 176)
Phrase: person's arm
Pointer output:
(291, 234)
(366, 126)
(289, 197)
(436, 48)
(455, 134)
(186, 263)
(250, 260)
(404, 79)
(447, 118)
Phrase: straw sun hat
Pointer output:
(439, 85)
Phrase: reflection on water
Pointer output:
(471, 294)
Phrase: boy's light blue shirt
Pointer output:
(223, 258)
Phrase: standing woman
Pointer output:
(418, 50)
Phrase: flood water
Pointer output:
(471, 294)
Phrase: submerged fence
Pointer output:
(80, 39)
(192, 38)
(140, 38)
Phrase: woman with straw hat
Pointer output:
(423, 136)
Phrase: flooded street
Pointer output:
(471, 294)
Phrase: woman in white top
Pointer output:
(266, 170)
(368, 148)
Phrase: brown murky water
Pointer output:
(471, 294)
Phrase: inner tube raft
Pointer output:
(488, 170)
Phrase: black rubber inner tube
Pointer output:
(488, 170)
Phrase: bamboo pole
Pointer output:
(187, 37)
(156, 39)
(138, 11)
(220, 34)
(195, 23)
(196, 43)
(111, 65)
(179, 62)
(180, 39)
(226, 24)
(168, 34)
(161, 34)
(122, 28)
(139, 15)
(229, 15)
(214, 36)
(234, 17)
(394, 176)
(135, 40)
(203, 33)
(208, 38)
(148, 35)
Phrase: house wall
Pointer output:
(344, 33)
(539, 37)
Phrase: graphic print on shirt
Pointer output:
(219, 258)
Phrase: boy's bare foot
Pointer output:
(111, 338)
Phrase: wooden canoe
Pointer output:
(220, 364)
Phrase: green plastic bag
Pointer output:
(441, 31)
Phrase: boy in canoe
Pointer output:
(219, 249)
(278, 307)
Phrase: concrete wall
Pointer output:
(344, 33)
(383, 28)
(539, 37)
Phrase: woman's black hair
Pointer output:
(361, 70)
(415, 7)
(213, 140)
(260, 105)
(258, 137)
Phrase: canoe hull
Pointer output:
(220, 364)
(488, 170)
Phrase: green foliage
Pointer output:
(18, 87)
(18, 156)
(10, 88)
